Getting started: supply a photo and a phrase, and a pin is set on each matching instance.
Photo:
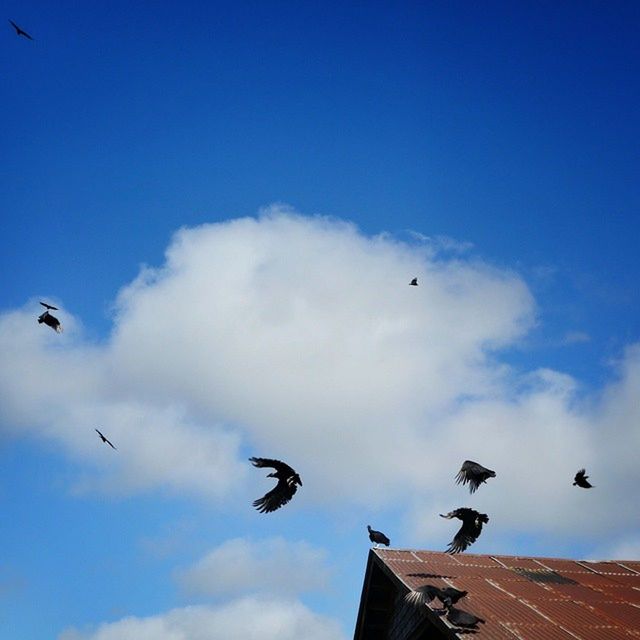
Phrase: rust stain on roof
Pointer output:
(531, 598)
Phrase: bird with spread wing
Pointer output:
(473, 474)
(471, 528)
(581, 480)
(288, 482)
(20, 31)
(105, 440)
(49, 319)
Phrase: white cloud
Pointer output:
(273, 566)
(301, 338)
(243, 619)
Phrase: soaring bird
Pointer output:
(105, 440)
(474, 474)
(288, 481)
(460, 618)
(414, 282)
(426, 593)
(49, 319)
(377, 537)
(469, 531)
(581, 480)
(19, 31)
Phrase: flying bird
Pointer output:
(474, 474)
(580, 480)
(469, 531)
(377, 537)
(288, 482)
(426, 593)
(19, 31)
(105, 440)
(460, 618)
(414, 282)
(49, 319)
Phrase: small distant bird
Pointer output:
(105, 440)
(19, 31)
(426, 593)
(460, 618)
(288, 482)
(377, 537)
(581, 480)
(49, 319)
(471, 528)
(414, 282)
(474, 474)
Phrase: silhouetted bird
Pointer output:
(288, 481)
(581, 480)
(105, 440)
(19, 31)
(414, 282)
(460, 618)
(469, 531)
(426, 593)
(49, 319)
(377, 537)
(474, 474)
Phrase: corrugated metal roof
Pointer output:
(531, 598)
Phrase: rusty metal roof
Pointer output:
(529, 598)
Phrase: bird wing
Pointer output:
(281, 467)
(467, 535)
(422, 595)
(276, 498)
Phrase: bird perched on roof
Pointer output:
(105, 440)
(377, 537)
(288, 482)
(19, 31)
(580, 480)
(460, 618)
(427, 592)
(49, 319)
(474, 474)
(414, 282)
(471, 528)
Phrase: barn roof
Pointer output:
(519, 597)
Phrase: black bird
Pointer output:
(581, 480)
(426, 593)
(19, 31)
(460, 618)
(106, 440)
(474, 474)
(377, 537)
(414, 282)
(469, 531)
(288, 482)
(49, 319)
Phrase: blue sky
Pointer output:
(489, 149)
